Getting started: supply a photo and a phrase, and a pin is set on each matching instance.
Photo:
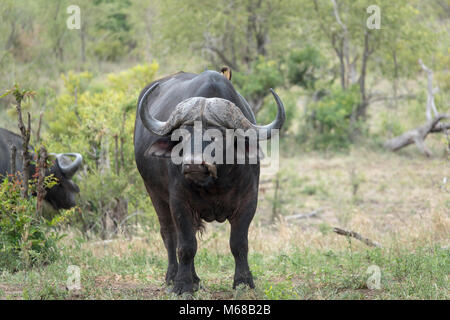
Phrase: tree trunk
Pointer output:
(13, 160)
(40, 187)
(431, 106)
(83, 43)
(362, 107)
(26, 157)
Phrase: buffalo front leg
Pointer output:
(239, 248)
(186, 280)
(168, 234)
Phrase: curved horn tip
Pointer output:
(266, 131)
(69, 169)
(150, 123)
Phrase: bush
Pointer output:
(97, 120)
(328, 121)
(26, 240)
(303, 65)
(255, 84)
(269, 110)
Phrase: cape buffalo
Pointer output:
(60, 196)
(195, 190)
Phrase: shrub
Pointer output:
(97, 120)
(329, 121)
(255, 84)
(269, 110)
(302, 66)
(26, 240)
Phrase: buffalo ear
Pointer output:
(161, 148)
(226, 71)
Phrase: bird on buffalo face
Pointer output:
(186, 187)
(60, 196)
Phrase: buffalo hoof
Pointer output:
(248, 281)
(181, 287)
(196, 285)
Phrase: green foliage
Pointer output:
(113, 27)
(26, 239)
(233, 33)
(302, 66)
(86, 119)
(264, 74)
(257, 39)
(287, 274)
(18, 93)
(269, 110)
(329, 121)
(97, 120)
(390, 126)
(76, 83)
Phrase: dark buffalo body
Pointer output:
(60, 196)
(185, 195)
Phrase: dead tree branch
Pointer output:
(416, 136)
(432, 125)
(431, 106)
(116, 154)
(356, 235)
(26, 157)
(344, 52)
(40, 187)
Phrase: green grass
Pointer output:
(138, 273)
(400, 202)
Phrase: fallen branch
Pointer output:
(355, 235)
(432, 125)
(417, 135)
(440, 127)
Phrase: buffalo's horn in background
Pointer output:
(67, 166)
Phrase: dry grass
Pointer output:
(399, 202)
(393, 199)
